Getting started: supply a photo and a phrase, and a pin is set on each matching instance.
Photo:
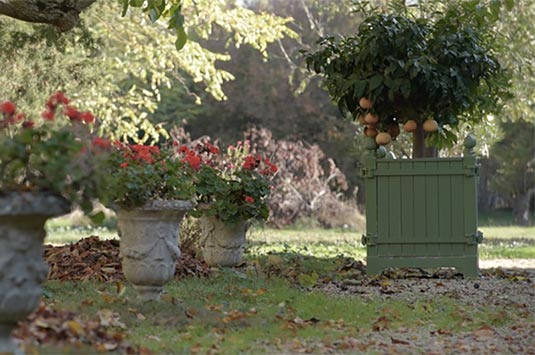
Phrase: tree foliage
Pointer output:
(128, 60)
(440, 66)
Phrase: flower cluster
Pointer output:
(232, 185)
(52, 154)
(139, 173)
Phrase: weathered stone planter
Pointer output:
(149, 244)
(22, 269)
(421, 213)
(222, 244)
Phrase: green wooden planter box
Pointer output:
(421, 213)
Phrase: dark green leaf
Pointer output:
(181, 38)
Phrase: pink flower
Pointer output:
(124, 165)
(249, 199)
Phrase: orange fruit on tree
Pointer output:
(370, 131)
(383, 138)
(371, 118)
(365, 103)
(361, 120)
(430, 125)
(410, 126)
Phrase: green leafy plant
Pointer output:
(139, 173)
(56, 153)
(402, 67)
(232, 186)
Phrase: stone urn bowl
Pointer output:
(222, 244)
(22, 269)
(149, 244)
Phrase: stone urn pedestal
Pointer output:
(22, 269)
(222, 244)
(149, 244)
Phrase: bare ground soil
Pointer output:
(505, 286)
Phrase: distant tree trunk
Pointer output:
(521, 207)
(64, 14)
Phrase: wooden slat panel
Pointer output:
(407, 206)
(445, 200)
(394, 208)
(420, 208)
(432, 219)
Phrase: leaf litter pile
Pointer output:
(497, 289)
(98, 260)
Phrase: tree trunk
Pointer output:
(64, 14)
(418, 142)
(419, 150)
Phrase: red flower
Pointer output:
(87, 117)
(57, 98)
(60, 97)
(28, 124)
(249, 199)
(124, 165)
(183, 149)
(19, 117)
(48, 115)
(101, 142)
(8, 107)
(250, 162)
(72, 113)
(193, 160)
(212, 149)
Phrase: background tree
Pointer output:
(128, 61)
(514, 174)
(277, 94)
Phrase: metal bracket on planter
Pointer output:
(369, 239)
(367, 173)
(471, 171)
(474, 238)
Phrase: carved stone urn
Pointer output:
(22, 269)
(222, 244)
(149, 244)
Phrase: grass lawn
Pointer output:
(499, 241)
(281, 302)
(235, 313)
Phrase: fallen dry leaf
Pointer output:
(94, 259)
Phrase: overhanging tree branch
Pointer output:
(64, 14)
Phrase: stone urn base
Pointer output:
(22, 269)
(149, 244)
(222, 244)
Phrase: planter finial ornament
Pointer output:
(469, 144)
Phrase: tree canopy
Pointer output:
(118, 64)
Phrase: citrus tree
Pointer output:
(428, 72)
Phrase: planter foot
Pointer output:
(7, 343)
(148, 293)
